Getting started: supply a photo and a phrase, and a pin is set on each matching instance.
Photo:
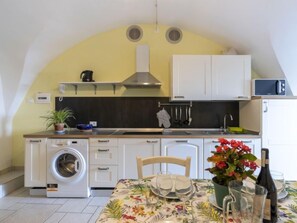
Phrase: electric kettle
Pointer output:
(87, 76)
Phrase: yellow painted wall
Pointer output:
(112, 58)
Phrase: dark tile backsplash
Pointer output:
(140, 112)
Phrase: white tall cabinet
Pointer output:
(276, 120)
(210, 143)
(129, 149)
(210, 77)
(35, 162)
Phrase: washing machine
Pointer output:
(67, 168)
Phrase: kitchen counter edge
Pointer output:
(87, 135)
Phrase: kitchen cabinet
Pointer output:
(129, 149)
(35, 162)
(182, 147)
(210, 143)
(191, 77)
(231, 77)
(210, 77)
(276, 120)
(103, 162)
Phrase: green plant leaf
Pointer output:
(114, 209)
(54, 117)
(248, 156)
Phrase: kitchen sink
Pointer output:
(210, 132)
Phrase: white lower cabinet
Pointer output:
(103, 162)
(103, 175)
(35, 162)
(182, 148)
(112, 159)
(129, 149)
(210, 143)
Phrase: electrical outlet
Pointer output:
(93, 123)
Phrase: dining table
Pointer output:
(134, 200)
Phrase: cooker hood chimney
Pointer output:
(142, 78)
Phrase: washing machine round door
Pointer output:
(68, 165)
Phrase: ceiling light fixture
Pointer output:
(157, 23)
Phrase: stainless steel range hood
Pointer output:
(142, 78)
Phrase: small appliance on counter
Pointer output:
(87, 76)
(268, 86)
(85, 127)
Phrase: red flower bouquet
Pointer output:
(232, 160)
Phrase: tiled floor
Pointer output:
(20, 207)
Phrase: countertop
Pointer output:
(144, 133)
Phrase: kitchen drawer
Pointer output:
(103, 155)
(103, 175)
(103, 142)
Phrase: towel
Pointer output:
(164, 118)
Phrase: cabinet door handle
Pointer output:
(247, 141)
(100, 141)
(101, 168)
(245, 97)
(214, 141)
(35, 141)
(181, 141)
(266, 107)
(103, 150)
(151, 141)
(179, 96)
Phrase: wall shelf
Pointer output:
(95, 85)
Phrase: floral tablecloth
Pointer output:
(128, 204)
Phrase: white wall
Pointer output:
(5, 133)
(283, 35)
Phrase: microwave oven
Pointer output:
(268, 86)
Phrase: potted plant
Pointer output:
(232, 160)
(58, 119)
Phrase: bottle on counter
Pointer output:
(264, 179)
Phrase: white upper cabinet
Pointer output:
(231, 77)
(191, 77)
(211, 77)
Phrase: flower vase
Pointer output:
(220, 192)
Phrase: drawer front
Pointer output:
(103, 142)
(103, 155)
(103, 175)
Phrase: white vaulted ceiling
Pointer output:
(33, 32)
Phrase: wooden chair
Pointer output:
(162, 159)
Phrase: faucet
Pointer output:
(225, 117)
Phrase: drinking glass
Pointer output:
(184, 189)
(150, 199)
(164, 183)
(279, 180)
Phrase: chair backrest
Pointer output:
(162, 159)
